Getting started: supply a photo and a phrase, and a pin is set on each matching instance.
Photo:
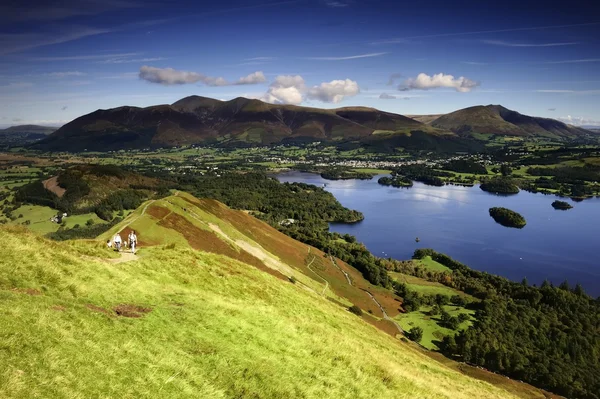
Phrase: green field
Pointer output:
(188, 324)
(432, 265)
(432, 331)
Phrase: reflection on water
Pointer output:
(556, 245)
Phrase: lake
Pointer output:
(555, 245)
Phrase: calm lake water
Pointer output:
(555, 245)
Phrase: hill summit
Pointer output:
(496, 119)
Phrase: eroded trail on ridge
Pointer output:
(317, 274)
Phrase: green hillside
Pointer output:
(175, 322)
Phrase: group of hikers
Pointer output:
(118, 243)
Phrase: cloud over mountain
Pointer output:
(292, 89)
(170, 77)
(440, 80)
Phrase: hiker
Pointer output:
(109, 244)
(117, 241)
(132, 241)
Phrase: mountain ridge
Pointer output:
(249, 122)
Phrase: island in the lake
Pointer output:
(561, 205)
(344, 174)
(499, 186)
(395, 181)
(507, 218)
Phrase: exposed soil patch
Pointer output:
(51, 185)
(97, 309)
(28, 291)
(59, 308)
(134, 311)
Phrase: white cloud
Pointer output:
(292, 89)
(285, 89)
(334, 91)
(350, 57)
(385, 96)
(170, 77)
(426, 82)
(511, 44)
(253, 78)
(578, 120)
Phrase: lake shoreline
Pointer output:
(454, 220)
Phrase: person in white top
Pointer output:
(132, 241)
(117, 241)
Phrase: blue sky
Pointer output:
(62, 59)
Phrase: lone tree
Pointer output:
(415, 334)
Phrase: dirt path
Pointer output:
(51, 185)
(385, 315)
(340, 269)
(137, 217)
(317, 274)
(125, 257)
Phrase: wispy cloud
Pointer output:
(337, 4)
(474, 63)
(576, 61)
(17, 85)
(89, 57)
(124, 75)
(451, 34)
(64, 74)
(385, 96)
(350, 57)
(393, 78)
(552, 109)
(131, 60)
(17, 42)
(504, 43)
(52, 10)
(575, 92)
(260, 59)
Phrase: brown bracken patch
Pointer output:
(384, 325)
(158, 212)
(59, 308)
(28, 291)
(205, 240)
(97, 309)
(134, 311)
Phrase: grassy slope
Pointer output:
(187, 221)
(217, 328)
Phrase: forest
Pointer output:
(499, 185)
(547, 335)
(507, 217)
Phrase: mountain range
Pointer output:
(248, 122)
(24, 134)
